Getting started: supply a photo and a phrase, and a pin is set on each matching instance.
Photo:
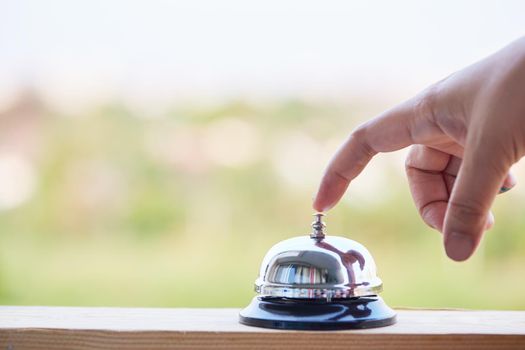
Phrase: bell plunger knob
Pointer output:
(318, 227)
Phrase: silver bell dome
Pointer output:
(318, 267)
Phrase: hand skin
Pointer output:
(466, 131)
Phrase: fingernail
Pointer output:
(490, 221)
(327, 208)
(458, 246)
(504, 189)
(512, 180)
(321, 208)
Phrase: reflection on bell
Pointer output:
(318, 282)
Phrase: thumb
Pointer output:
(482, 172)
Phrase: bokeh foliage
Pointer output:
(138, 210)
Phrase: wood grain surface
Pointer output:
(136, 328)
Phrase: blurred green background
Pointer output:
(151, 152)
(113, 208)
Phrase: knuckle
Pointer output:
(424, 212)
(340, 175)
(359, 136)
(410, 171)
(409, 160)
(426, 102)
(359, 133)
(470, 212)
(428, 220)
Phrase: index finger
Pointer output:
(395, 129)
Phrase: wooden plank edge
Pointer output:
(40, 338)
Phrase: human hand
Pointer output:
(466, 130)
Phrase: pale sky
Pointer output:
(152, 51)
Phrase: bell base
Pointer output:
(306, 314)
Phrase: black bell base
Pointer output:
(304, 314)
